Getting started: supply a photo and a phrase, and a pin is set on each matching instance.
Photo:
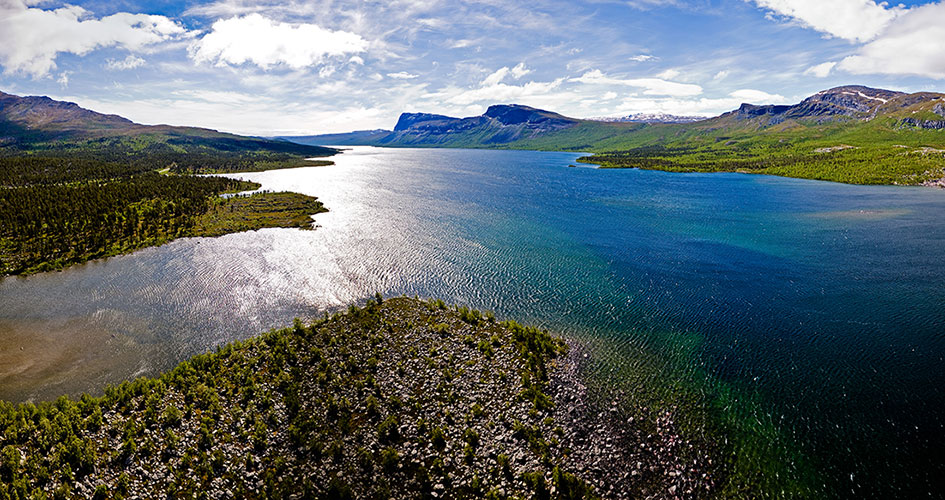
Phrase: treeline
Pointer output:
(45, 225)
(867, 165)
(21, 171)
(56, 166)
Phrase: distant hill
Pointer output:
(356, 138)
(40, 123)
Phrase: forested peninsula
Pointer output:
(59, 211)
(402, 398)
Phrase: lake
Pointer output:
(814, 309)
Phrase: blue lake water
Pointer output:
(818, 307)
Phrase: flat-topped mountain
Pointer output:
(501, 124)
(498, 125)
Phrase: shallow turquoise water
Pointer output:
(820, 304)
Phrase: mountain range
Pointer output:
(851, 134)
(837, 110)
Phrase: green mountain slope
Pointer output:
(43, 126)
(850, 134)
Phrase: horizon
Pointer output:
(260, 68)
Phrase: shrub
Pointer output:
(389, 459)
(389, 430)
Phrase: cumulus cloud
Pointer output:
(855, 20)
(520, 70)
(402, 75)
(31, 38)
(643, 58)
(517, 72)
(893, 40)
(130, 62)
(651, 86)
(261, 41)
(912, 45)
(820, 70)
(668, 74)
(756, 96)
(497, 92)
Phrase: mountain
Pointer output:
(356, 138)
(498, 126)
(651, 118)
(852, 101)
(40, 123)
(850, 134)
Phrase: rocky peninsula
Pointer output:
(402, 398)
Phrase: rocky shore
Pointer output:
(402, 398)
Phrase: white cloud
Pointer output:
(32, 38)
(495, 93)
(757, 96)
(130, 62)
(651, 86)
(820, 70)
(668, 74)
(259, 115)
(912, 45)
(63, 79)
(265, 43)
(496, 77)
(459, 44)
(643, 58)
(721, 75)
(704, 106)
(520, 70)
(402, 75)
(855, 20)
(894, 40)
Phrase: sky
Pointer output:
(302, 67)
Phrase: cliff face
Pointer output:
(499, 124)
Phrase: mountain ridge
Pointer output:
(514, 125)
(30, 123)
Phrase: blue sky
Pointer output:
(300, 67)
